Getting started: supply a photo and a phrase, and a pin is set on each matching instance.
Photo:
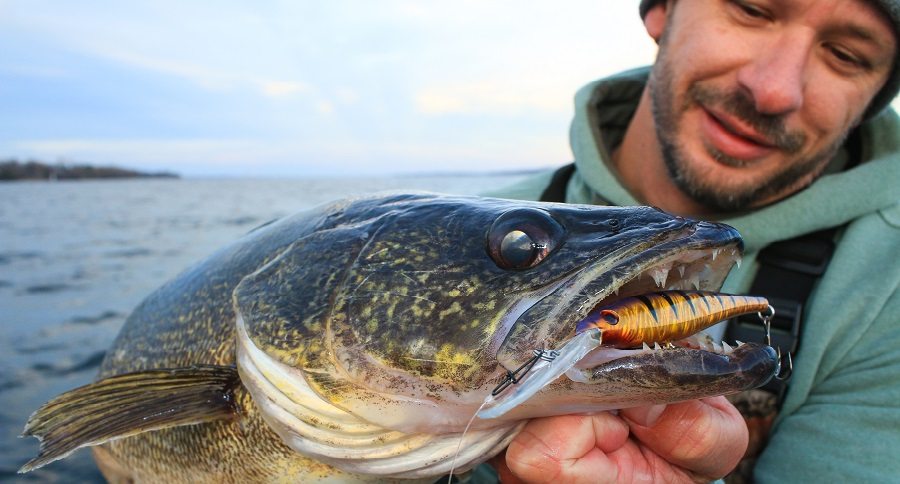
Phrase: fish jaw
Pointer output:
(650, 377)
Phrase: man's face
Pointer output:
(752, 98)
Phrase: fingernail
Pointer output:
(644, 416)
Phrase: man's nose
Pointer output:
(775, 77)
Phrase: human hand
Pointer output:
(693, 441)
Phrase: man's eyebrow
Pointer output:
(860, 32)
(865, 34)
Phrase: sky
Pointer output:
(306, 87)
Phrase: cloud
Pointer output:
(347, 84)
(210, 79)
(277, 89)
(491, 97)
(325, 107)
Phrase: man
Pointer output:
(745, 118)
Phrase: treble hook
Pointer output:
(784, 370)
(767, 322)
(785, 364)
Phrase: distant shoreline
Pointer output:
(33, 170)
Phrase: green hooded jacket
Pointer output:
(840, 419)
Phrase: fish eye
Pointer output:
(518, 249)
(521, 239)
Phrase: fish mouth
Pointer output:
(702, 264)
(697, 258)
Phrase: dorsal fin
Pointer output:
(128, 404)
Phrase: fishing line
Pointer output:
(459, 445)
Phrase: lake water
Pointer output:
(76, 257)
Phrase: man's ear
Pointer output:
(655, 20)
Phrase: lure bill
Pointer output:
(665, 316)
(658, 317)
(539, 374)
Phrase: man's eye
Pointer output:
(843, 56)
(847, 59)
(751, 11)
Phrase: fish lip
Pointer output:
(750, 365)
(698, 343)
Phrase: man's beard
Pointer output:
(689, 179)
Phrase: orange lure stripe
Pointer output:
(666, 316)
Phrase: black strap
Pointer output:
(556, 190)
(788, 272)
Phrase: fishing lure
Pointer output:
(665, 316)
(659, 317)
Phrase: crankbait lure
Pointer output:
(658, 317)
(665, 316)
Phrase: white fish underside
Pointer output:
(347, 442)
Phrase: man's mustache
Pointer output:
(740, 105)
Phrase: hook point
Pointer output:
(785, 366)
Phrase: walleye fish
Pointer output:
(356, 341)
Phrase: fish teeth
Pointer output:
(645, 347)
(670, 346)
(681, 270)
(728, 349)
(737, 262)
(715, 253)
(656, 347)
(717, 347)
(660, 274)
(739, 343)
(695, 280)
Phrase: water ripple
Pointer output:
(9, 257)
(47, 288)
(105, 315)
(91, 362)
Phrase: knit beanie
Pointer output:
(884, 97)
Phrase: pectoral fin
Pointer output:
(129, 404)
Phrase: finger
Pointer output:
(707, 437)
(504, 474)
(569, 448)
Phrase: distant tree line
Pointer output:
(34, 170)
